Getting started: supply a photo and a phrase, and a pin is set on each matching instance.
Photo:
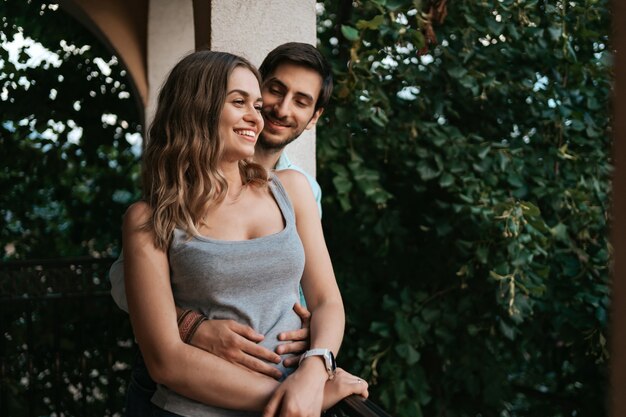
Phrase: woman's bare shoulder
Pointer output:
(137, 213)
(292, 179)
(298, 189)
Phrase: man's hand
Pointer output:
(236, 343)
(298, 339)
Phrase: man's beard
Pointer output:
(276, 146)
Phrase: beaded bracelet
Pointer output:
(194, 327)
(182, 316)
(188, 324)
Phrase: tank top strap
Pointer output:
(284, 203)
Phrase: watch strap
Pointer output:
(326, 355)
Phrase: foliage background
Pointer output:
(466, 189)
(68, 163)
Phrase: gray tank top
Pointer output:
(254, 282)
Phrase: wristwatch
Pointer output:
(327, 356)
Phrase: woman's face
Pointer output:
(241, 121)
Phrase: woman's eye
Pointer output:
(239, 102)
(258, 108)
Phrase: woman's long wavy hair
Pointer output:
(180, 171)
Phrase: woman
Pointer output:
(216, 235)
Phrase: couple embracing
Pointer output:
(226, 241)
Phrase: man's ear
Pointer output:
(315, 118)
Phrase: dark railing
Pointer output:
(66, 349)
(356, 406)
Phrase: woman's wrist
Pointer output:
(314, 366)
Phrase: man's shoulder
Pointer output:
(283, 162)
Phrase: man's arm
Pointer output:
(116, 276)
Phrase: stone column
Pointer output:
(252, 29)
(170, 37)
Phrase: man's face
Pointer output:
(289, 97)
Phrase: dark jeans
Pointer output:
(140, 391)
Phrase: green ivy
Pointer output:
(466, 192)
(62, 190)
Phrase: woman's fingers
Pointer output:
(300, 335)
(304, 313)
(292, 347)
(343, 385)
(353, 384)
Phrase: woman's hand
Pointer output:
(298, 340)
(296, 398)
(301, 394)
(341, 386)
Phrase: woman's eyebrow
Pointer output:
(243, 93)
(238, 91)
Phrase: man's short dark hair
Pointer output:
(299, 53)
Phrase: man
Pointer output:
(297, 85)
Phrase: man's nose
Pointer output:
(281, 108)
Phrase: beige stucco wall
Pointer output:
(170, 37)
(253, 28)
